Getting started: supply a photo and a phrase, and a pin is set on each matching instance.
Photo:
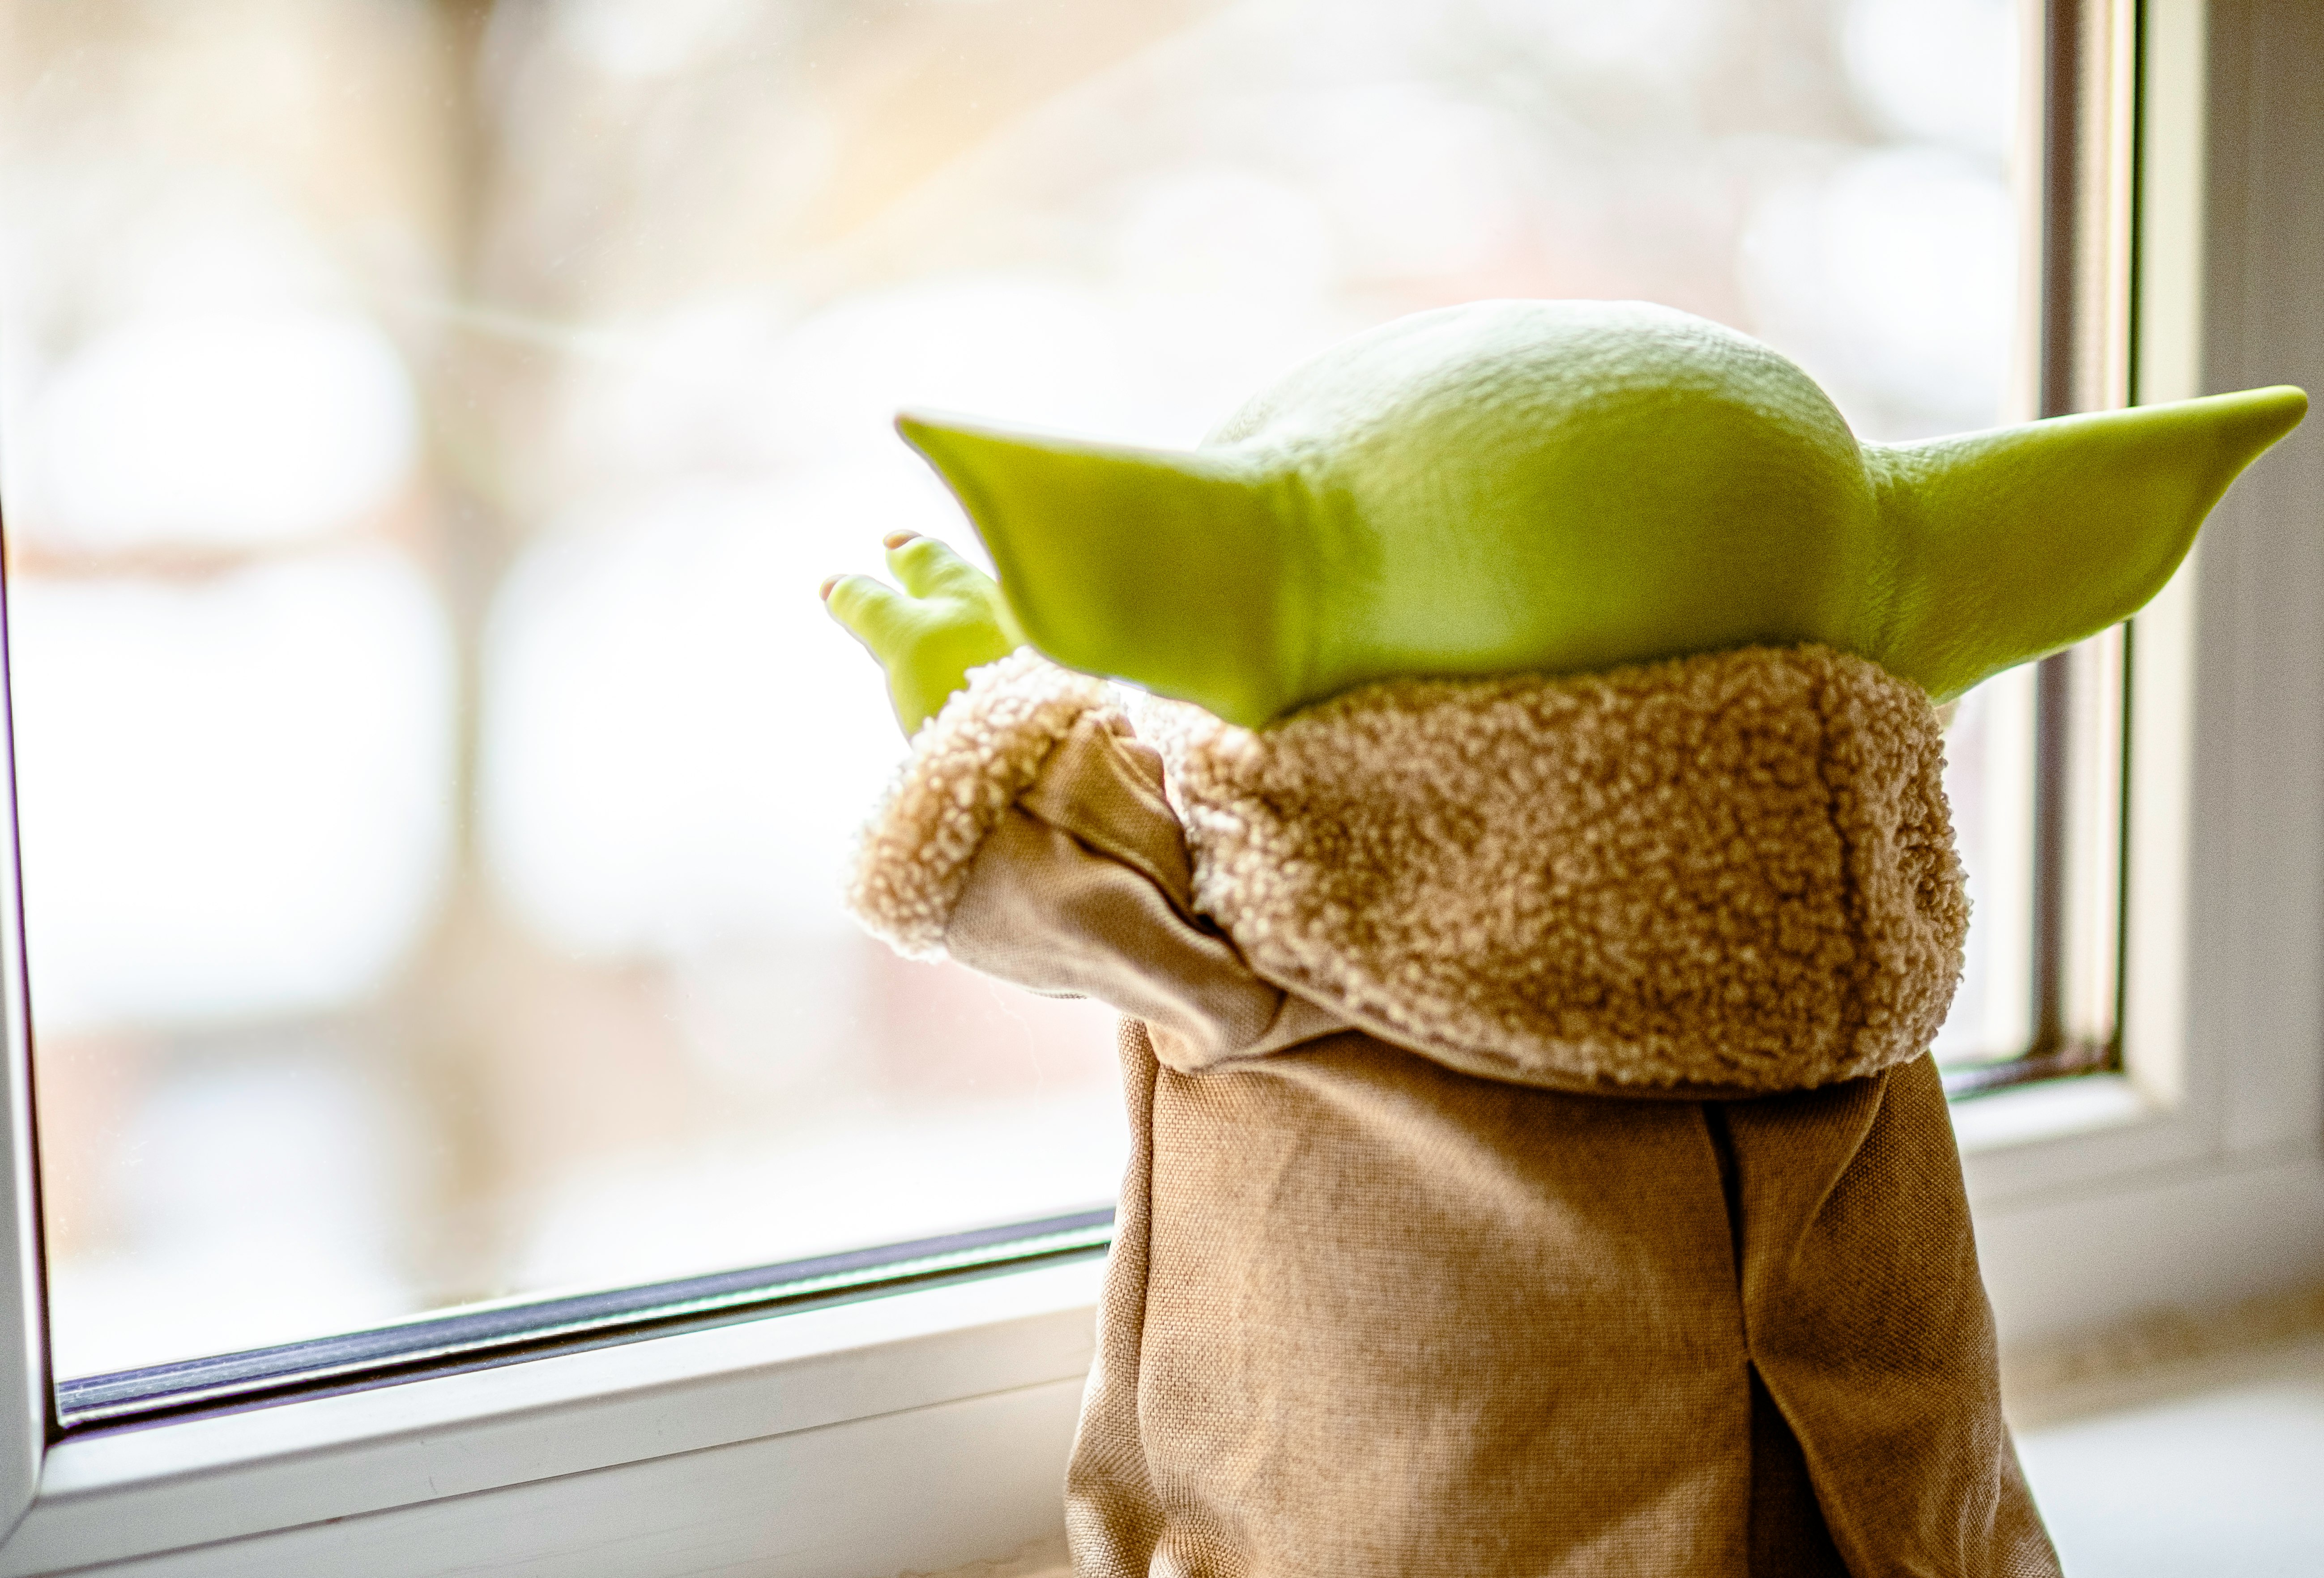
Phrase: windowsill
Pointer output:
(109, 1497)
(837, 1392)
(826, 1365)
(2039, 1144)
(2054, 1110)
(2206, 1466)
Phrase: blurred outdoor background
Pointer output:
(423, 426)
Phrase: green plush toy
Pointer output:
(1530, 894)
(1545, 487)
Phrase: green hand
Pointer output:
(948, 618)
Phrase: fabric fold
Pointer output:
(967, 766)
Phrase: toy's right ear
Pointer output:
(1176, 571)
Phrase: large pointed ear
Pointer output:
(2009, 544)
(1175, 571)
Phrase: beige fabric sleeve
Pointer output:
(1028, 837)
(1084, 887)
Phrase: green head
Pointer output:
(1562, 487)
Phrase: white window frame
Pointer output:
(2196, 1176)
(928, 1430)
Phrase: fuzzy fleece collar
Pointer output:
(968, 765)
(1731, 872)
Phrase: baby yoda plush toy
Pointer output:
(1530, 894)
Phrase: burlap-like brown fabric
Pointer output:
(1370, 1313)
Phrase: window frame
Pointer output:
(928, 1429)
(2194, 1175)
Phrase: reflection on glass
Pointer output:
(425, 425)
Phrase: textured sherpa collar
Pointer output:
(968, 765)
(1732, 873)
(1729, 872)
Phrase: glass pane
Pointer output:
(1988, 779)
(425, 426)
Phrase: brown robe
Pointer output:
(1535, 1166)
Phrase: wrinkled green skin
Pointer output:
(1545, 487)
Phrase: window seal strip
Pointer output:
(535, 1328)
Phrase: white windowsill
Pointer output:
(2048, 1110)
(116, 1496)
(110, 1497)
(138, 1492)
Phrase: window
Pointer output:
(435, 778)
(564, 346)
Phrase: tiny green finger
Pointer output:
(927, 567)
(873, 612)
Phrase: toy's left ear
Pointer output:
(2005, 546)
(1178, 570)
